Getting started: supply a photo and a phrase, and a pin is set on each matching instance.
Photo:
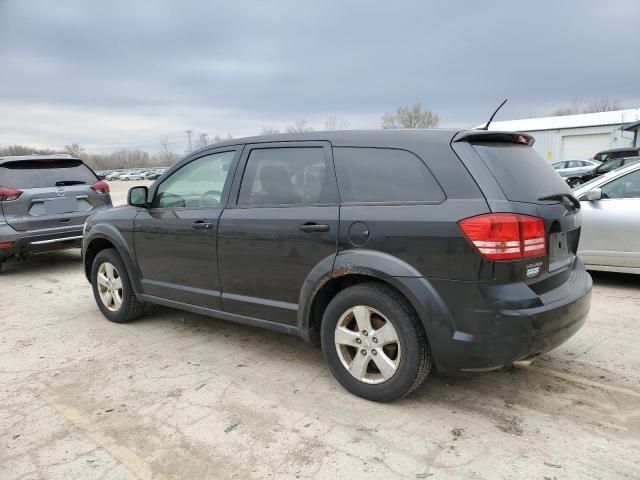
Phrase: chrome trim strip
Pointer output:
(56, 240)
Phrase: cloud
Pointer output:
(121, 71)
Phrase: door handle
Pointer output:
(202, 225)
(311, 227)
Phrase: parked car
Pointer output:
(44, 202)
(611, 221)
(153, 175)
(617, 153)
(567, 167)
(113, 176)
(126, 176)
(419, 248)
(574, 180)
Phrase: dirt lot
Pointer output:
(176, 395)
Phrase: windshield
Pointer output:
(609, 165)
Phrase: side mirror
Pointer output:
(592, 195)
(138, 196)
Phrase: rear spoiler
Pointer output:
(472, 136)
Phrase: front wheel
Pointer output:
(575, 183)
(374, 343)
(112, 288)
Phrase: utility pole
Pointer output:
(190, 145)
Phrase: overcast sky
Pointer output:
(113, 74)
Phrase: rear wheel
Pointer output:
(575, 183)
(374, 342)
(112, 288)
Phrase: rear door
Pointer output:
(54, 193)
(281, 222)
(520, 181)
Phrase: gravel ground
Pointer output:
(177, 395)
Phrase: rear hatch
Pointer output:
(517, 181)
(49, 193)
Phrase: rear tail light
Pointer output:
(6, 245)
(505, 236)
(7, 193)
(100, 187)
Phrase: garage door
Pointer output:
(584, 146)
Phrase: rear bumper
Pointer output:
(486, 332)
(37, 241)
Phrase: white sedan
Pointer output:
(131, 176)
(610, 237)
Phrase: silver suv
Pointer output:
(44, 202)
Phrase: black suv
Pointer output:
(44, 201)
(621, 152)
(394, 250)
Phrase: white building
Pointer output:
(572, 137)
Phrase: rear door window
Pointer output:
(45, 173)
(287, 176)
(384, 175)
(523, 175)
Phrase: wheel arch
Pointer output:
(103, 237)
(360, 266)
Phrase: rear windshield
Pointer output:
(523, 175)
(45, 173)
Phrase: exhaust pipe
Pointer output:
(523, 363)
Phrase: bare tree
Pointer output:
(220, 138)
(572, 109)
(299, 126)
(269, 130)
(165, 150)
(12, 150)
(332, 123)
(410, 117)
(600, 104)
(74, 150)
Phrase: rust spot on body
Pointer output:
(341, 271)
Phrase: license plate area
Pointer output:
(60, 205)
(559, 254)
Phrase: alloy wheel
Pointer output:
(109, 286)
(367, 344)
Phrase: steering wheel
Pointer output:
(210, 198)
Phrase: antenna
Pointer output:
(486, 127)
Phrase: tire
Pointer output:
(575, 183)
(128, 307)
(381, 303)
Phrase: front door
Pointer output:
(611, 226)
(175, 239)
(283, 222)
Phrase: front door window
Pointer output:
(199, 184)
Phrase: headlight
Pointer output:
(565, 178)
